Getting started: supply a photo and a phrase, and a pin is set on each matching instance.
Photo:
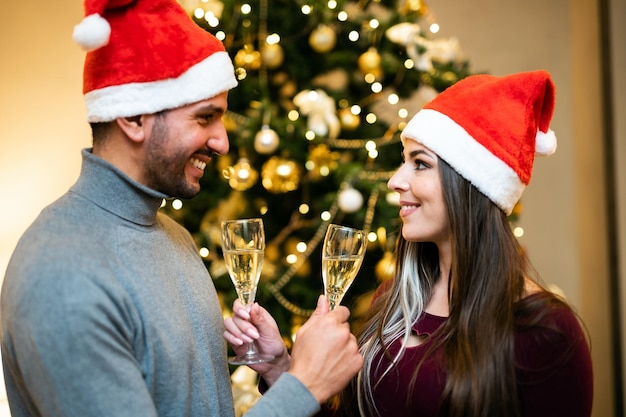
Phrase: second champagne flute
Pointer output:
(342, 254)
(243, 245)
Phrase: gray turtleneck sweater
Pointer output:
(107, 310)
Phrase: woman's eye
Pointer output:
(420, 165)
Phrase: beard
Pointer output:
(165, 166)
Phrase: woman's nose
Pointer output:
(397, 181)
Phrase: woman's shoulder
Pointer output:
(545, 322)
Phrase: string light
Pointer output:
(177, 204)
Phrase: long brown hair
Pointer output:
(486, 284)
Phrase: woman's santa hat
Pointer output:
(145, 56)
(489, 129)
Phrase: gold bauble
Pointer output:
(272, 55)
(322, 39)
(248, 58)
(272, 253)
(322, 161)
(369, 62)
(385, 268)
(349, 120)
(280, 175)
(241, 176)
(305, 269)
(289, 89)
(417, 7)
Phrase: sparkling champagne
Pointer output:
(338, 273)
(244, 267)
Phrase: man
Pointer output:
(107, 310)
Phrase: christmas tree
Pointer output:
(325, 88)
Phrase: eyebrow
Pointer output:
(210, 108)
(417, 152)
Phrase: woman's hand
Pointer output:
(257, 326)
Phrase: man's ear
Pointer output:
(133, 127)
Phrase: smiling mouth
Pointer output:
(198, 163)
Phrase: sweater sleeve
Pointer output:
(555, 375)
(287, 397)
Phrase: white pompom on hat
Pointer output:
(145, 56)
(489, 129)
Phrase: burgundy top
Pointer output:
(543, 390)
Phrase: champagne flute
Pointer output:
(342, 255)
(243, 245)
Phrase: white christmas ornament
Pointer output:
(440, 50)
(266, 140)
(350, 200)
(320, 109)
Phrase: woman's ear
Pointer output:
(133, 127)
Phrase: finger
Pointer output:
(234, 341)
(255, 313)
(322, 306)
(240, 332)
(240, 310)
(341, 313)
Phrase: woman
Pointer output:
(463, 329)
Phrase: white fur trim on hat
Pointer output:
(208, 78)
(488, 173)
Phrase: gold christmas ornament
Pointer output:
(369, 62)
(266, 140)
(417, 7)
(289, 89)
(245, 391)
(305, 269)
(385, 268)
(248, 58)
(241, 176)
(280, 175)
(322, 161)
(349, 120)
(322, 39)
(272, 55)
(272, 253)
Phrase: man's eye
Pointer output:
(209, 117)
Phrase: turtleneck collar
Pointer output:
(109, 188)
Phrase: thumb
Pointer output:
(322, 306)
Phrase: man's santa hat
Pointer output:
(489, 129)
(145, 56)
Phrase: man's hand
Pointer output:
(325, 356)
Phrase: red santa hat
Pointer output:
(489, 129)
(145, 56)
